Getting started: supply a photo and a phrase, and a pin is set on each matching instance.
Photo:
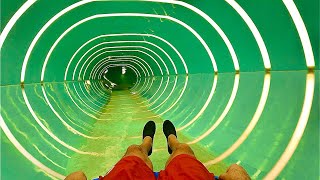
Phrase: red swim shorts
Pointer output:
(181, 167)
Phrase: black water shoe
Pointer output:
(149, 130)
(168, 128)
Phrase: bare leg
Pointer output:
(235, 172)
(141, 151)
(178, 148)
(79, 175)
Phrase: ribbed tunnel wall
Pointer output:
(239, 79)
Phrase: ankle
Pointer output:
(146, 145)
(147, 139)
(172, 137)
(173, 142)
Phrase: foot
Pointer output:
(149, 130)
(168, 128)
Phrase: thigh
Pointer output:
(181, 149)
(136, 150)
(185, 166)
(130, 167)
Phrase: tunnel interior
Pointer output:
(239, 79)
(119, 77)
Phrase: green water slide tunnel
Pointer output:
(239, 79)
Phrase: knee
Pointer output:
(184, 149)
(181, 149)
(183, 146)
(134, 149)
(79, 175)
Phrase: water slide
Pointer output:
(239, 79)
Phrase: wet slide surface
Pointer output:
(240, 86)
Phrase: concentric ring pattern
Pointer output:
(239, 79)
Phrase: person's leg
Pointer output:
(175, 148)
(182, 163)
(135, 162)
(79, 175)
(235, 172)
(178, 148)
(141, 151)
(145, 148)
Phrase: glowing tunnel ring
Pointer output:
(116, 60)
(126, 49)
(130, 34)
(135, 47)
(94, 116)
(149, 35)
(148, 15)
(119, 51)
(95, 72)
(82, 56)
(94, 58)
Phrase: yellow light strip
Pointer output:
(116, 47)
(214, 85)
(148, 100)
(150, 104)
(104, 52)
(168, 96)
(177, 100)
(25, 153)
(13, 20)
(224, 113)
(119, 15)
(298, 132)
(48, 131)
(302, 30)
(144, 42)
(120, 59)
(128, 34)
(255, 32)
(97, 66)
(252, 124)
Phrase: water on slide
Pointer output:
(239, 79)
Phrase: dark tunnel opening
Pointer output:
(119, 78)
